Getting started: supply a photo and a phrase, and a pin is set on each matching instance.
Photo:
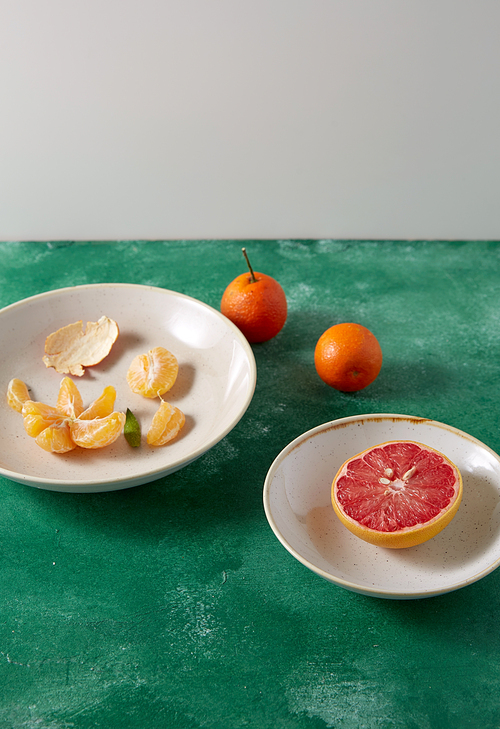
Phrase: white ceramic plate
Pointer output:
(298, 508)
(215, 385)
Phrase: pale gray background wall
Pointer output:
(267, 118)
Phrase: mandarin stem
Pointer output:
(252, 275)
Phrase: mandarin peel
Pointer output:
(72, 348)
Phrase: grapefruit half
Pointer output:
(397, 494)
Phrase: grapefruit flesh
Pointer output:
(397, 494)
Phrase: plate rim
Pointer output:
(347, 584)
(156, 473)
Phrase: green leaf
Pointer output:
(132, 430)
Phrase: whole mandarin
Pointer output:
(348, 357)
(256, 304)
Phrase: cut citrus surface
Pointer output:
(397, 494)
(71, 348)
(69, 400)
(154, 373)
(99, 432)
(166, 424)
(17, 394)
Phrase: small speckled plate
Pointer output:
(298, 508)
(215, 384)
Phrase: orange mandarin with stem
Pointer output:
(256, 304)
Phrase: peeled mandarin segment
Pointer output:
(56, 439)
(99, 432)
(154, 373)
(17, 394)
(72, 348)
(166, 424)
(69, 400)
(37, 416)
(102, 406)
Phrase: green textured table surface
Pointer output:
(173, 604)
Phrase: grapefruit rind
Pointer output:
(408, 536)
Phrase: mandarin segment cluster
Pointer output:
(68, 424)
(63, 427)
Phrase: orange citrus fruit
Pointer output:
(166, 424)
(154, 373)
(348, 357)
(397, 494)
(256, 303)
(17, 394)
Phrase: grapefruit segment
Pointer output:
(397, 494)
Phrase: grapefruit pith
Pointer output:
(397, 494)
